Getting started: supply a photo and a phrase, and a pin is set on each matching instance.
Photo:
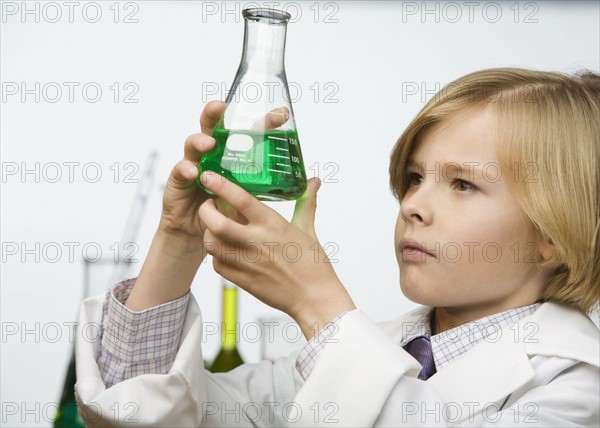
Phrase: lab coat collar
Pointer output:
(553, 330)
(494, 368)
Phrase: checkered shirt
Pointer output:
(454, 342)
(136, 343)
(446, 346)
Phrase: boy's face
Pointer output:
(482, 250)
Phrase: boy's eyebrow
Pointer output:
(468, 168)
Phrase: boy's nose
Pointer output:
(415, 208)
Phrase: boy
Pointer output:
(505, 268)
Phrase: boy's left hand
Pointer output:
(279, 262)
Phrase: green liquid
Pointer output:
(226, 360)
(267, 164)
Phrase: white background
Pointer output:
(363, 71)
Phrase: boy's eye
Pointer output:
(463, 186)
(414, 178)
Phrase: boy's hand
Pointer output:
(278, 262)
(177, 251)
(177, 248)
(182, 197)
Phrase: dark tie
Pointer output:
(420, 348)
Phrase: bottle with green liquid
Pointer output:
(67, 415)
(257, 144)
(228, 357)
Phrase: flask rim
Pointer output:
(269, 15)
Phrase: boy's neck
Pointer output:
(444, 319)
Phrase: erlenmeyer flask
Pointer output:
(257, 143)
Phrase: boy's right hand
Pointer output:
(177, 250)
(182, 197)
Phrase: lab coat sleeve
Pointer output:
(186, 396)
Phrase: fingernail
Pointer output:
(191, 171)
(206, 177)
(317, 183)
(204, 141)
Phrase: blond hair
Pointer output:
(548, 130)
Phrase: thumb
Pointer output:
(306, 206)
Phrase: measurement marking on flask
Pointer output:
(277, 138)
(282, 149)
(278, 170)
(283, 164)
(278, 156)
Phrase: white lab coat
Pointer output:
(542, 371)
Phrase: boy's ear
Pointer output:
(546, 248)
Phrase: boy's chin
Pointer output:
(419, 296)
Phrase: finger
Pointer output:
(274, 119)
(229, 272)
(220, 226)
(184, 172)
(212, 245)
(238, 198)
(212, 113)
(228, 211)
(197, 144)
(225, 254)
(224, 261)
(306, 207)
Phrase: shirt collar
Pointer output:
(452, 343)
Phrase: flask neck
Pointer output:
(229, 325)
(264, 44)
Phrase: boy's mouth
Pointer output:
(412, 247)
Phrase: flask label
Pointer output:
(239, 142)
